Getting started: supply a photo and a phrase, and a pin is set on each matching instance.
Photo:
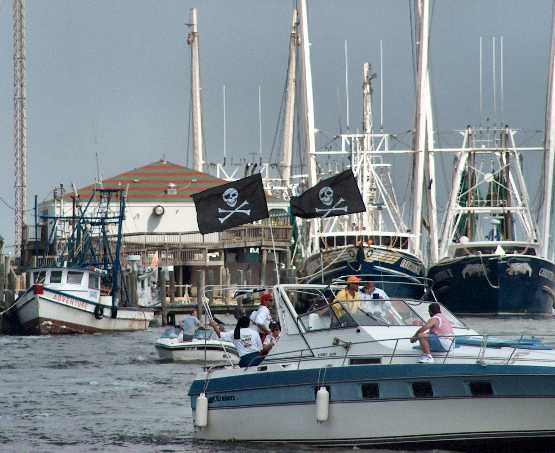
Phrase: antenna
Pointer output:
(493, 45)
(98, 175)
(481, 85)
(381, 86)
(501, 87)
(347, 83)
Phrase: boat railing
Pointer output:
(506, 349)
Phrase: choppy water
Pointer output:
(93, 393)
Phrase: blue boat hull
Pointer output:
(493, 284)
(398, 273)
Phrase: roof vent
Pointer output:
(172, 189)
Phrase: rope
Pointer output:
(2, 313)
(486, 272)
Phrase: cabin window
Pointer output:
(74, 278)
(480, 388)
(370, 391)
(422, 389)
(56, 277)
(38, 277)
(93, 281)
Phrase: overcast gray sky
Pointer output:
(112, 77)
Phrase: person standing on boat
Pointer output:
(189, 325)
(262, 317)
(246, 340)
(435, 335)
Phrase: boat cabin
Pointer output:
(83, 283)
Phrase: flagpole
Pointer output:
(274, 248)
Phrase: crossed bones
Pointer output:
(335, 207)
(230, 212)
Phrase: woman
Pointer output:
(246, 340)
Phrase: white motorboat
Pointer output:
(204, 347)
(356, 381)
(69, 300)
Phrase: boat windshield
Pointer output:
(203, 334)
(170, 332)
(330, 308)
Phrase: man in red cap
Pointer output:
(262, 317)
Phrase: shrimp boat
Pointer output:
(84, 292)
(356, 381)
(203, 348)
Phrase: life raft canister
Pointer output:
(99, 311)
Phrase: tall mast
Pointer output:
(422, 6)
(367, 116)
(549, 158)
(192, 40)
(365, 175)
(308, 95)
(287, 150)
(20, 121)
(431, 186)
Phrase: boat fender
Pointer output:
(99, 311)
(322, 404)
(201, 411)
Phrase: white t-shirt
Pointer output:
(248, 342)
(372, 305)
(262, 317)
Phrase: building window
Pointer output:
(370, 391)
(422, 389)
(74, 278)
(56, 277)
(481, 388)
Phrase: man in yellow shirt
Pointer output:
(349, 297)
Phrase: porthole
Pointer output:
(370, 391)
(422, 389)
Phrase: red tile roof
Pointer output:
(150, 183)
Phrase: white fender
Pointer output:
(201, 411)
(322, 404)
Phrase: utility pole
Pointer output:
(192, 40)
(20, 121)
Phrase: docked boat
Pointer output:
(491, 255)
(69, 300)
(205, 347)
(356, 381)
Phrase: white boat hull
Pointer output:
(196, 352)
(56, 313)
(391, 422)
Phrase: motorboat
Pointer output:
(357, 381)
(204, 347)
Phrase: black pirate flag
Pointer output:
(231, 205)
(338, 195)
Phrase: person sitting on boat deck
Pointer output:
(189, 325)
(271, 340)
(262, 317)
(435, 335)
(246, 341)
(349, 297)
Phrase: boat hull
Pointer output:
(399, 270)
(495, 285)
(197, 354)
(54, 313)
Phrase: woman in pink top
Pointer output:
(434, 336)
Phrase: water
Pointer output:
(96, 393)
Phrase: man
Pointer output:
(189, 325)
(350, 297)
(435, 335)
(262, 317)
(375, 301)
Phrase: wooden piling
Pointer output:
(163, 305)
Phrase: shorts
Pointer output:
(438, 344)
(251, 359)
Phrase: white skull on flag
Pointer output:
(230, 197)
(326, 195)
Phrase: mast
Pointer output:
(308, 95)
(365, 177)
(287, 150)
(192, 40)
(549, 158)
(20, 121)
(431, 186)
(422, 7)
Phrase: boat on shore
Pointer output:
(355, 381)
(204, 347)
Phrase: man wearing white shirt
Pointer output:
(262, 318)
(375, 301)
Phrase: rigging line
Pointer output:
(412, 40)
(279, 123)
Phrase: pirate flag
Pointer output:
(338, 195)
(230, 205)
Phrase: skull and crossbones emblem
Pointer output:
(231, 197)
(326, 198)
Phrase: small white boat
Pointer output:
(204, 347)
(69, 300)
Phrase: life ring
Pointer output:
(99, 312)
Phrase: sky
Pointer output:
(111, 78)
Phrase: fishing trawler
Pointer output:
(355, 381)
(84, 292)
(492, 260)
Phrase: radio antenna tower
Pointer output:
(20, 121)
